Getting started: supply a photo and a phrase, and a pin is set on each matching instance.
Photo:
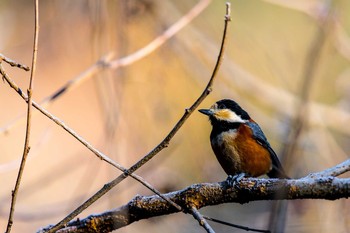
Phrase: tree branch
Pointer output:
(201, 220)
(208, 194)
(337, 170)
(13, 63)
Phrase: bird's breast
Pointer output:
(224, 148)
(238, 152)
(224, 137)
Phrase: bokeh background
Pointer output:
(286, 63)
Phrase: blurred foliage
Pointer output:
(126, 112)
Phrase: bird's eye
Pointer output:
(221, 106)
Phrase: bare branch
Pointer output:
(208, 194)
(334, 171)
(29, 114)
(235, 225)
(170, 32)
(201, 220)
(13, 63)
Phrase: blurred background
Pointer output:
(286, 63)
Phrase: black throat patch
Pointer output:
(220, 126)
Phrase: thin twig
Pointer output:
(235, 225)
(65, 88)
(201, 220)
(163, 144)
(13, 63)
(29, 113)
(170, 32)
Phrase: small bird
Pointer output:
(239, 143)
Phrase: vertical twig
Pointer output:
(163, 144)
(29, 112)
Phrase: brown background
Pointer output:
(126, 112)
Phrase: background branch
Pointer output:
(107, 62)
(300, 122)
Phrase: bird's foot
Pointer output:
(233, 180)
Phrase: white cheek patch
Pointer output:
(233, 117)
(228, 115)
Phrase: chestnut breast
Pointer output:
(237, 151)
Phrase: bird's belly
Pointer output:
(236, 156)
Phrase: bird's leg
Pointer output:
(233, 180)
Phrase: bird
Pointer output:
(239, 143)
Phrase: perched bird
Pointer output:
(239, 143)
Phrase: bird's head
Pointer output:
(227, 111)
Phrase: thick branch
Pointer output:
(207, 194)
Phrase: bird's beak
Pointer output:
(207, 112)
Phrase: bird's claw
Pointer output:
(233, 180)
